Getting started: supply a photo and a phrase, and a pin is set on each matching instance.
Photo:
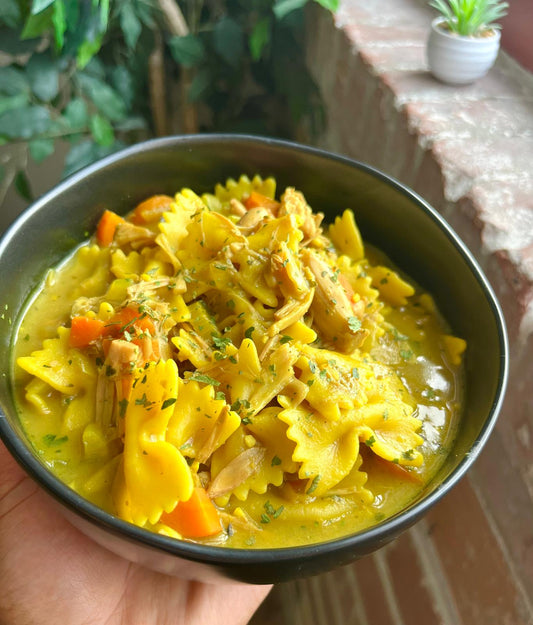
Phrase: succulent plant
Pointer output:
(471, 17)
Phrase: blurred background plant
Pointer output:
(96, 75)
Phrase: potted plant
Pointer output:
(464, 39)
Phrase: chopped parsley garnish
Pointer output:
(355, 373)
(275, 461)
(123, 405)
(52, 440)
(370, 441)
(314, 484)
(409, 454)
(406, 354)
(220, 342)
(285, 339)
(248, 332)
(206, 379)
(168, 402)
(354, 324)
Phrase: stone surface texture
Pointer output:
(469, 152)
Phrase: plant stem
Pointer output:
(156, 73)
(178, 27)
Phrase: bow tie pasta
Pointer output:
(226, 368)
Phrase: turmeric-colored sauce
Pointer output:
(228, 369)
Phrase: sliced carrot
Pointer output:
(85, 330)
(195, 518)
(151, 209)
(105, 231)
(256, 199)
(131, 320)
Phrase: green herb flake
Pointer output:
(278, 512)
(168, 402)
(276, 461)
(246, 421)
(51, 440)
(314, 485)
(370, 441)
(406, 354)
(355, 373)
(354, 324)
(220, 342)
(201, 377)
(123, 406)
(285, 339)
(248, 332)
(409, 454)
(265, 518)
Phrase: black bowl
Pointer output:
(389, 215)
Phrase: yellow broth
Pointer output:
(409, 341)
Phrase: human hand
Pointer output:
(52, 573)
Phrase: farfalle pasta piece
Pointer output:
(66, 369)
(155, 473)
(200, 422)
(326, 450)
(126, 266)
(242, 188)
(393, 289)
(271, 433)
(346, 236)
(392, 434)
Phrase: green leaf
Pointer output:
(2, 172)
(259, 38)
(200, 85)
(41, 149)
(228, 40)
(130, 25)
(13, 102)
(330, 5)
(187, 50)
(284, 7)
(59, 20)
(104, 14)
(132, 123)
(40, 5)
(22, 185)
(85, 153)
(12, 81)
(43, 75)
(122, 82)
(10, 13)
(11, 42)
(102, 130)
(106, 99)
(87, 50)
(38, 24)
(25, 122)
(76, 114)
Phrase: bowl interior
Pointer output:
(389, 216)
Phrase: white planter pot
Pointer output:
(460, 60)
